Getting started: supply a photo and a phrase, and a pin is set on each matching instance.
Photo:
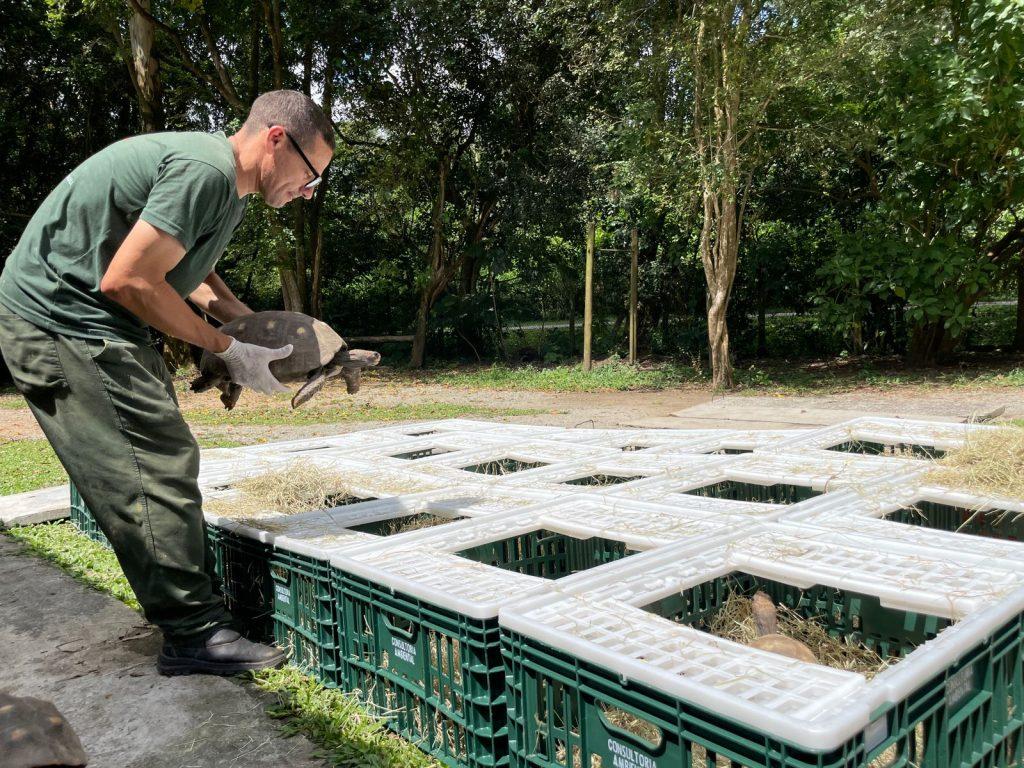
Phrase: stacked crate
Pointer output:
(618, 669)
(555, 614)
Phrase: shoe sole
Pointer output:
(170, 666)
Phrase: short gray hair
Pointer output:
(295, 112)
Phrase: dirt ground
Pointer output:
(569, 409)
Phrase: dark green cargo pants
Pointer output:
(109, 410)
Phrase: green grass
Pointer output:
(335, 721)
(10, 398)
(837, 376)
(569, 378)
(347, 733)
(340, 414)
(761, 378)
(28, 464)
(219, 441)
(87, 561)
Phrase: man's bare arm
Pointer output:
(215, 298)
(137, 280)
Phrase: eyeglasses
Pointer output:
(317, 177)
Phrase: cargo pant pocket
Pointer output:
(31, 356)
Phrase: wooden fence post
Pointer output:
(633, 278)
(588, 296)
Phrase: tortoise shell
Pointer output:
(314, 343)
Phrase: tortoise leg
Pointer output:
(353, 379)
(229, 393)
(349, 364)
(204, 382)
(314, 383)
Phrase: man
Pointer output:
(117, 247)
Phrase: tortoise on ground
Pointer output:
(318, 354)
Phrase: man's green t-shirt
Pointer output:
(181, 183)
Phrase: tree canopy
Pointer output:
(858, 165)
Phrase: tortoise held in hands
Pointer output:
(318, 354)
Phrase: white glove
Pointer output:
(249, 365)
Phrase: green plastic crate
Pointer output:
(993, 523)
(505, 466)
(547, 554)
(911, 450)
(435, 676)
(886, 631)
(304, 614)
(777, 493)
(83, 519)
(562, 710)
(243, 565)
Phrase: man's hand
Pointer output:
(249, 365)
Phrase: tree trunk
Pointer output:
(255, 36)
(303, 246)
(718, 79)
(499, 329)
(1018, 335)
(272, 18)
(927, 343)
(145, 70)
(762, 334)
(719, 246)
(316, 210)
(299, 224)
(470, 275)
(718, 342)
(289, 286)
(290, 293)
(419, 339)
(435, 262)
(572, 326)
(857, 337)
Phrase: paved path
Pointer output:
(94, 658)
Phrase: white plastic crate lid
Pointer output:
(942, 582)
(309, 527)
(360, 479)
(941, 435)
(599, 619)
(939, 579)
(638, 439)
(525, 450)
(666, 490)
(811, 705)
(884, 498)
(322, 533)
(424, 564)
(418, 428)
(729, 440)
(354, 439)
(823, 470)
(997, 551)
(643, 464)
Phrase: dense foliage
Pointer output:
(859, 166)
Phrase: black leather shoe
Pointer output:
(218, 652)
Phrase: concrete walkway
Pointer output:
(795, 412)
(95, 659)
